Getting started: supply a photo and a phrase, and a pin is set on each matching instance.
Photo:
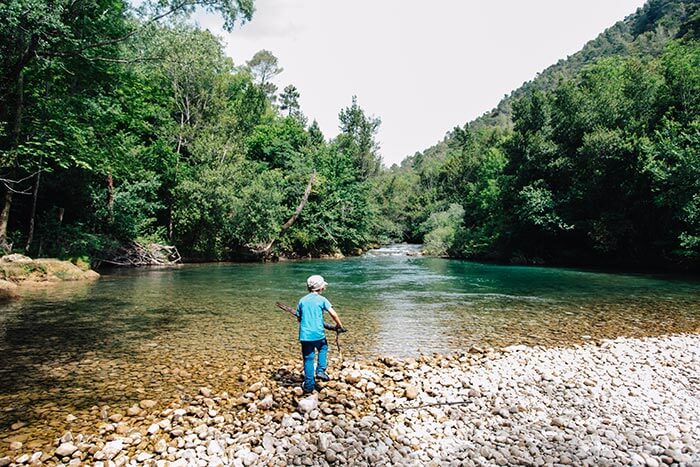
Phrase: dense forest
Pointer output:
(122, 125)
(594, 162)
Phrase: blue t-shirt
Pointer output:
(310, 313)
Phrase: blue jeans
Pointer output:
(308, 350)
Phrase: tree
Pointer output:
(290, 101)
(76, 37)
(316, 137)
(264, 67)
(357, 139)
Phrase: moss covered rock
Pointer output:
(18, 269)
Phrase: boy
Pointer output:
(311, 332)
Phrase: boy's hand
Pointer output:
(339, 329)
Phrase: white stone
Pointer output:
(214, 448)
(161, 446)
(266, 403)
(112, 448)
(268, 442)
(308, 404)
(65, 450)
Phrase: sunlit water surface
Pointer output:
(72, 348)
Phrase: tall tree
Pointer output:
(357, 139)
(289, 101)
(264, 66)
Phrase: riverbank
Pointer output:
(622, 401)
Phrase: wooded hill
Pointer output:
(595, 161)
(644, 33)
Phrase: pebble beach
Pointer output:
(613, 402)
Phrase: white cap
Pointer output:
(316, 283)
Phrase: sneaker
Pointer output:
(307, 390)
(323, 376)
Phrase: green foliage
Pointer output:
(357, 139)
(144, 130)
(442, 229)
(132, 212)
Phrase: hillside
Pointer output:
(643, 33)
(593, 161)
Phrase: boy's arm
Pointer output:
(335, 317)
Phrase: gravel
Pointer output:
(616, 402)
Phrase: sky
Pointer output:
(421, 67)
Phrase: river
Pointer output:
(70, 349)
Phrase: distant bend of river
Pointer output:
(138, 334)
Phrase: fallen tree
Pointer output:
(264, 250)
(135, 254)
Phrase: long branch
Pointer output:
(292, 219)
(302, 203)
(135, 31)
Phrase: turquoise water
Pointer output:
(67, 347)
(392, 305)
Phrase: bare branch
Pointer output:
(265, 249)
(14, 182)
(8, 186)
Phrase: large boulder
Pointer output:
(15, 258)
(64, 270)
(21, 269)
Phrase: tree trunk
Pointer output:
(15, 130)
(110, 197)
(170, 223)
(30, 235)
(4, 217)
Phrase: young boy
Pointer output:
(311, 332)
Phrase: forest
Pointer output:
(122, 125)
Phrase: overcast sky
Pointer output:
(422, 67)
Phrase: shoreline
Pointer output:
(681, 274)
(620, 401)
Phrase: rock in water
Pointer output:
(147, 404)
(8, 290)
